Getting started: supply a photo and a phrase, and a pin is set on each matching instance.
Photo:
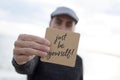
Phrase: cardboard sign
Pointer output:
(63, 47)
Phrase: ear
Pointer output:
(50, 23)
(73, 29)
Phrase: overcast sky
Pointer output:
(99, 20)
(99, 26)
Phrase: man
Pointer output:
(29, 49)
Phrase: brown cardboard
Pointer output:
(63, 48)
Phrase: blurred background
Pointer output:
(99, 26)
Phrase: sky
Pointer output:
(99, 24)
(98, 20)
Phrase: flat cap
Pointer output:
(65, 10)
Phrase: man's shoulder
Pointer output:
(79, 61)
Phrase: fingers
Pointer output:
(23, 58)
(28, 46)
(29, 52)
(36, 39)
(31, 44)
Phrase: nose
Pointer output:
(62, 27)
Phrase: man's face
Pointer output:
(63, 22)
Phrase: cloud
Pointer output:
(98, 25)
(100, 33)
(99, 6)
(35, 11)
(116, 30)
(14, 28)
(114, 9)
(20, 11)
(3, 13)
(32, 17)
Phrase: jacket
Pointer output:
(37, 70)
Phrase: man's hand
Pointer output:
(28, 46)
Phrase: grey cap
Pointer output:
(67, 11)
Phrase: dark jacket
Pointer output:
(37, 70)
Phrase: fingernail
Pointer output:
(44, 54)
(47, 48)
(47, 42)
